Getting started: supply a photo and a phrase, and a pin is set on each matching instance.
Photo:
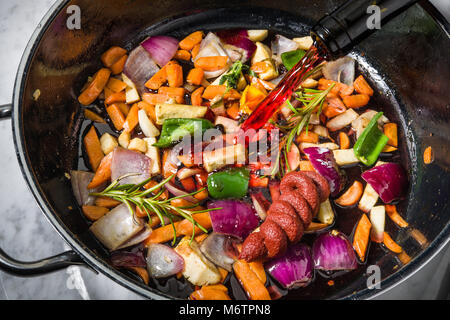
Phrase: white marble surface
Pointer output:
(25, 233)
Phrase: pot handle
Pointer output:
(5, 111)
(39, 267)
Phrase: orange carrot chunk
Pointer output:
(309, 136)
(356, 100)
(175, 93)
(212, 91)
(362, 87)
(116, 116)
(344, 140)
(252, 285)
(161, 234)
(333, 107)
(428, 155)
(212, 63)
(390, 130)
(174, 75)
(361, 237)
(210, 293)
(106, 202)
(157, 80)
(191, 40)
(103, 172)
(117, 67)
(112, 55)
(195, 50)
(91, 115)
(132, 118)
(195, 76)
(93, 212)
(196, 96)
(391, 244)
(93, 148)
(182, 55)
(391, 211)
(306, 165)
(116, 85)
(351, 196)
(96, 87)
(116, 97)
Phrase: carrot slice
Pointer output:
(344, 140)
(195, 76)
(390, 130)
(391, 244)
(361, 86)
(213, 91)
(116, 97)
(96, 87)
(333, 107)
(185, 226)
(157, 80)
(176, 93)
(428, 155)
(202, 195)
(233, 111)
(124, 108)
(132, 119)
(117, 67)
(210, 293)
(361, 237)
(174, 75)
(116, 116)
(182, 55)
(103, 172)
(201, 237)
(391, 211)
(196, 96)
(252, 285)
(93, 212)
(161, 234)
(91, 115)
(106, 202)
(404, 257)
(195, 50)
(112, 55)
(352, 195)
(356, 100)
(141, 272)
(154, 98)
(212, 63)
(188, 184)
(258, 268)
(309, 136)
(191, 40)
(323, 84)
(116, 85)
(93, 148)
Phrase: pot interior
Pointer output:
(406, 62)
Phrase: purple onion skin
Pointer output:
(128, 259)
(236, 218)
(294, 269)
(332, 251)
(323, 161)
(388, 180)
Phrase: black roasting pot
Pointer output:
(408, 61)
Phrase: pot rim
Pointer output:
(89, 256)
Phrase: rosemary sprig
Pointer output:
(148, 202)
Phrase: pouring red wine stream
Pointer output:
(334, 35)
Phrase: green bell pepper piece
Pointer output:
(173, 130)
(370, 143)
(291, 58)
(231, 183)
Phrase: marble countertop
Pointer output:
(26, 235)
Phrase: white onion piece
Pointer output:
(259, 208)
(116, 227)
(185, 172)
(341, 70)
(281, 44)
(342, 120)
(138, 238)
(230, 125)
(130, 162)
(80, 181)
(163, 261)
(234, 52)
(140, 67)
(216, 247)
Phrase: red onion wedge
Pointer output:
(185, 172)
(163, 261)
(178, 192)
(323, 161)
(220, 250)
(161, 48)
(129, 162)
(236, 218)
(140, 67)
(123, 259)
(388, 180)
(281, 44)
(80, 181)
(332, 251)
(240, 40)
(294, 269)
